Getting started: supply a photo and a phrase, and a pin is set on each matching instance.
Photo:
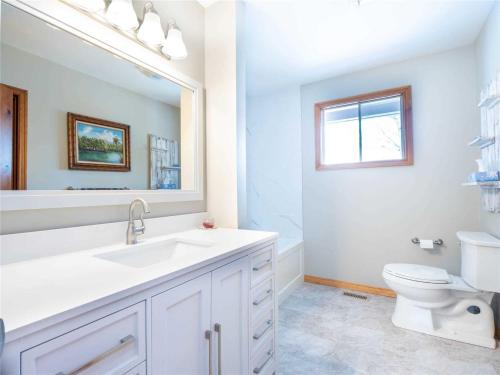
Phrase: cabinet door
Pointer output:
(230, 296)
(180, 319)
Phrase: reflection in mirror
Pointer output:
(75, 116)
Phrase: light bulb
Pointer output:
(151, 32)
(174, 46)
(121, 14)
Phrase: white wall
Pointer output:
(241, 96)
(222, 111)
(488, 65)
(356, 221)
(190, 17)
(55, 90)
(274, 163)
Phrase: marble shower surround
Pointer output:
(323, 332)
(274, 158)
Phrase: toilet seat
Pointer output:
(418, 273)
(424, 277)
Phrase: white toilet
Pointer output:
(429, 300)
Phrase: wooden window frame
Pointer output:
(406, 127)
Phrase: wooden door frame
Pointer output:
(20, 137)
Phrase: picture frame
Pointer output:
(98, 145)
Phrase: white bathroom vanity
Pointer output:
(182, 300)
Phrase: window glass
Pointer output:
(371, 129)
(341, 135)
(381, 130)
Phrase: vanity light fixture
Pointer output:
(92, 6)
(151, 32)
(174, 46)
(121, 14)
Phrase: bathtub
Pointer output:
(290, 266)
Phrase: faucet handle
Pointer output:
(142, 228)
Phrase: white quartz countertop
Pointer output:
(38, 289)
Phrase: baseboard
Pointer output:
(351, 286)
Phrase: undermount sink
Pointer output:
(149, 253)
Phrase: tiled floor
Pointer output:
(323, 332)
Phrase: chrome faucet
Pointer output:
(132, 230)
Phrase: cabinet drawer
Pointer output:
(262, 264)
(137, 370)
(262, 326)
(263, 363)
(262, 296)
(111, 345)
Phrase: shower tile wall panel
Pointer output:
(274, 172)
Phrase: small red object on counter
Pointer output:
(209, 223)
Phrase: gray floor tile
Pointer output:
(321, 331)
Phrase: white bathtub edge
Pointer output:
(290, 270)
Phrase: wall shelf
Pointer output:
(482, 142)
(489, 101)
(490, 149)
(485, 184)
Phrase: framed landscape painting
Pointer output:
(99, 145)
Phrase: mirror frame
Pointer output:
(89, 29)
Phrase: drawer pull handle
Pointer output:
(218, 329)
(257, 370)
(259, 301)
(208, 336)
(269, 324)
(262, 265)
(124, 342)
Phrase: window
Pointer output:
(370, 130)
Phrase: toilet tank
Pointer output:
(480, 260)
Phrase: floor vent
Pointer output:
(354, 295)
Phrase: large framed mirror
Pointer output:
(89, 116)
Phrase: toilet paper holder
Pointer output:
(438, 242)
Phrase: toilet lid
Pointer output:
(417, 272)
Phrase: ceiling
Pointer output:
(30, 34)
(300, 41)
